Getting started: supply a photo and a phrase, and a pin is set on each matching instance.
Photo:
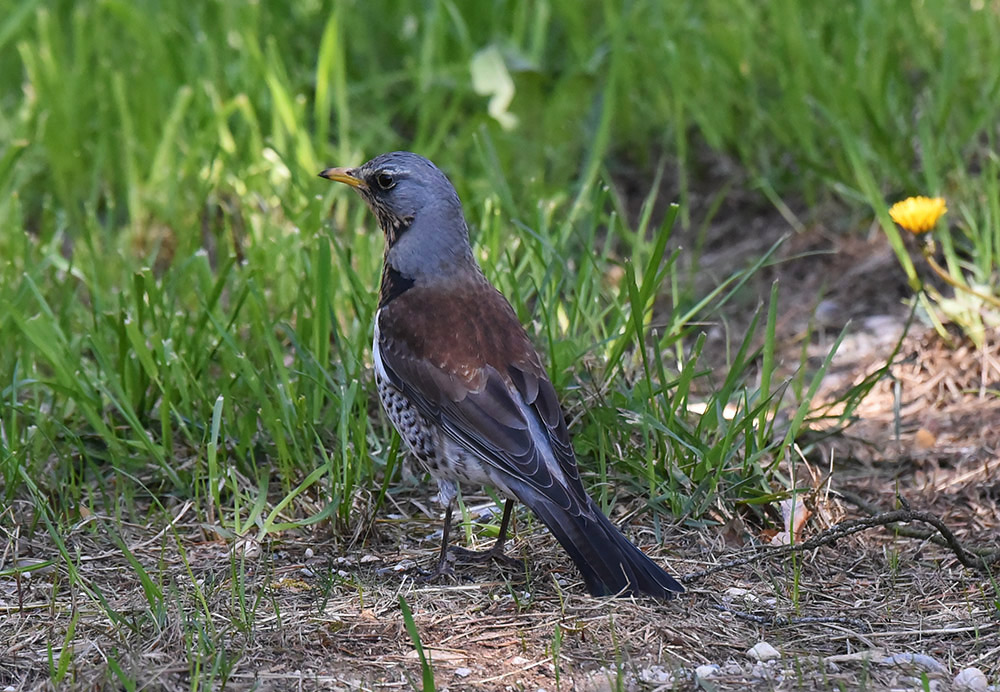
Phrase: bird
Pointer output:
(460, 380)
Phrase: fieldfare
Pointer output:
(465, 388)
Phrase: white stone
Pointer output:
(706, 671)
(971, 680)
(463, 672)
(734, 593)
(763, 652)
(657, 675)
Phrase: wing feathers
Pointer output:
(484, 384)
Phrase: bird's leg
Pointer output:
(496, 552)
(442, 566)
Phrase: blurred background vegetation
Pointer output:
(187, 308)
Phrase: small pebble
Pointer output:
(763, 652)
(734, 593)
(971, 680)
(657, 675)
(309, 553)
(706, 671)
(463, 672)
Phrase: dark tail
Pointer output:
(609, 563)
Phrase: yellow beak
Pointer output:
(348, 176)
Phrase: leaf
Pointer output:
(491, 78)
(795, 513)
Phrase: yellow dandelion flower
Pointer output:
(918, 214)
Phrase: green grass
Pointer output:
(187, 308)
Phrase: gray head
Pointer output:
(418, 210)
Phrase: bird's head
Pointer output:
(416, 207)
(399, 187)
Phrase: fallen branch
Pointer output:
(987, 555)
(852, 526)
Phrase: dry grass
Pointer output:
(318, 615)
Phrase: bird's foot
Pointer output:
(466, 555)
(442, 569)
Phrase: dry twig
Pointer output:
(986, 555)
(850, 527)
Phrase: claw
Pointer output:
(443, 569)
(495, 553)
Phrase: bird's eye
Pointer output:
(385, 181)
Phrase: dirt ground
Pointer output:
(874, 610)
